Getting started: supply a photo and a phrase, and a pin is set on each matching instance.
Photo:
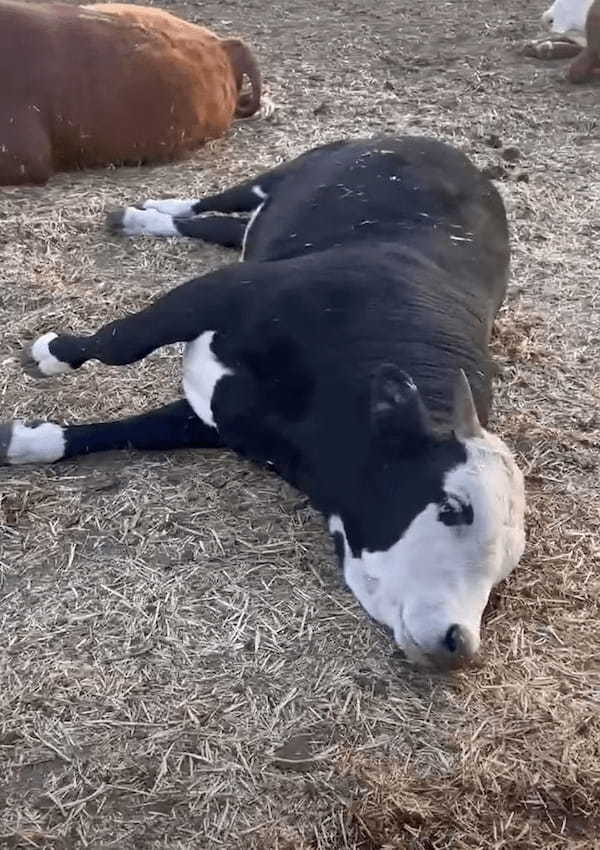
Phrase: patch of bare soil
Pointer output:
(180, 664)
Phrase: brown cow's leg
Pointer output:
(551, 48)
(583, 67)
(25, 154)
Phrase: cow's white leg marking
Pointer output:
(40, 362)
(201, 374)
(136, 222)
(21, 443)
(260, 193)
(178, 208)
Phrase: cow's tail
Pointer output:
(244, 65)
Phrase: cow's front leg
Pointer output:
(174, 426)
(181, 315)
(551, 48)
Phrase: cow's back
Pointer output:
(111, 83)
(418, 192)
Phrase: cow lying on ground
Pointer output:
(335, 354)
(574, 24)
(112, 84)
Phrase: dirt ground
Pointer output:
(181, 666)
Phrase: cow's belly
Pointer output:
(202, 371)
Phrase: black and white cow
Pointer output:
(335, 353)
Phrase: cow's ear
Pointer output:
(399, 418)
(465, 421)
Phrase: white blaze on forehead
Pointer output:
(201, 374)
(437, 575)
(495, 483)
(567, 17)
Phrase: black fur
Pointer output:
(371, 264)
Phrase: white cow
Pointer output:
(567, 18)
(574, 32)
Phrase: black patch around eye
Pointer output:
(455, 512)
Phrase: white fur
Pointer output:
(201, 374)
(258, 191)
(179, 208)
(436, 575)
(46, 362)
(151, 222)
(268, 107)
(43, 443)
(567, 17)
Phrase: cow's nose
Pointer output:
(455, 639)
(458, 647)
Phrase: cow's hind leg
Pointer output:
(174, 426)
(225, 230)
(163, 217)
(25, 152)
(583, 67)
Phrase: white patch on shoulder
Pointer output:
(176, 207)
(201, 374)
(43, 443)
(150, 222)
(45, 361)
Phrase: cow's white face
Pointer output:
(567, 17)
(431, 586)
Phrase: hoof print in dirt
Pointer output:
(297, 754)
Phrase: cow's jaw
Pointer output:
(435, 580)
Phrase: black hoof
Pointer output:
(6, 432)
(115, 220)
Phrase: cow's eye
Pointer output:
(455, 511)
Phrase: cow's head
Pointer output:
(567, 17)
(436, 523)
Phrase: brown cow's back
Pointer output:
(109, 83)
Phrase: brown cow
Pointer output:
(85, 86)
(588, 61)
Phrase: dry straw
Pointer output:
(180, 665)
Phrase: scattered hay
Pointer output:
(172, 627)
